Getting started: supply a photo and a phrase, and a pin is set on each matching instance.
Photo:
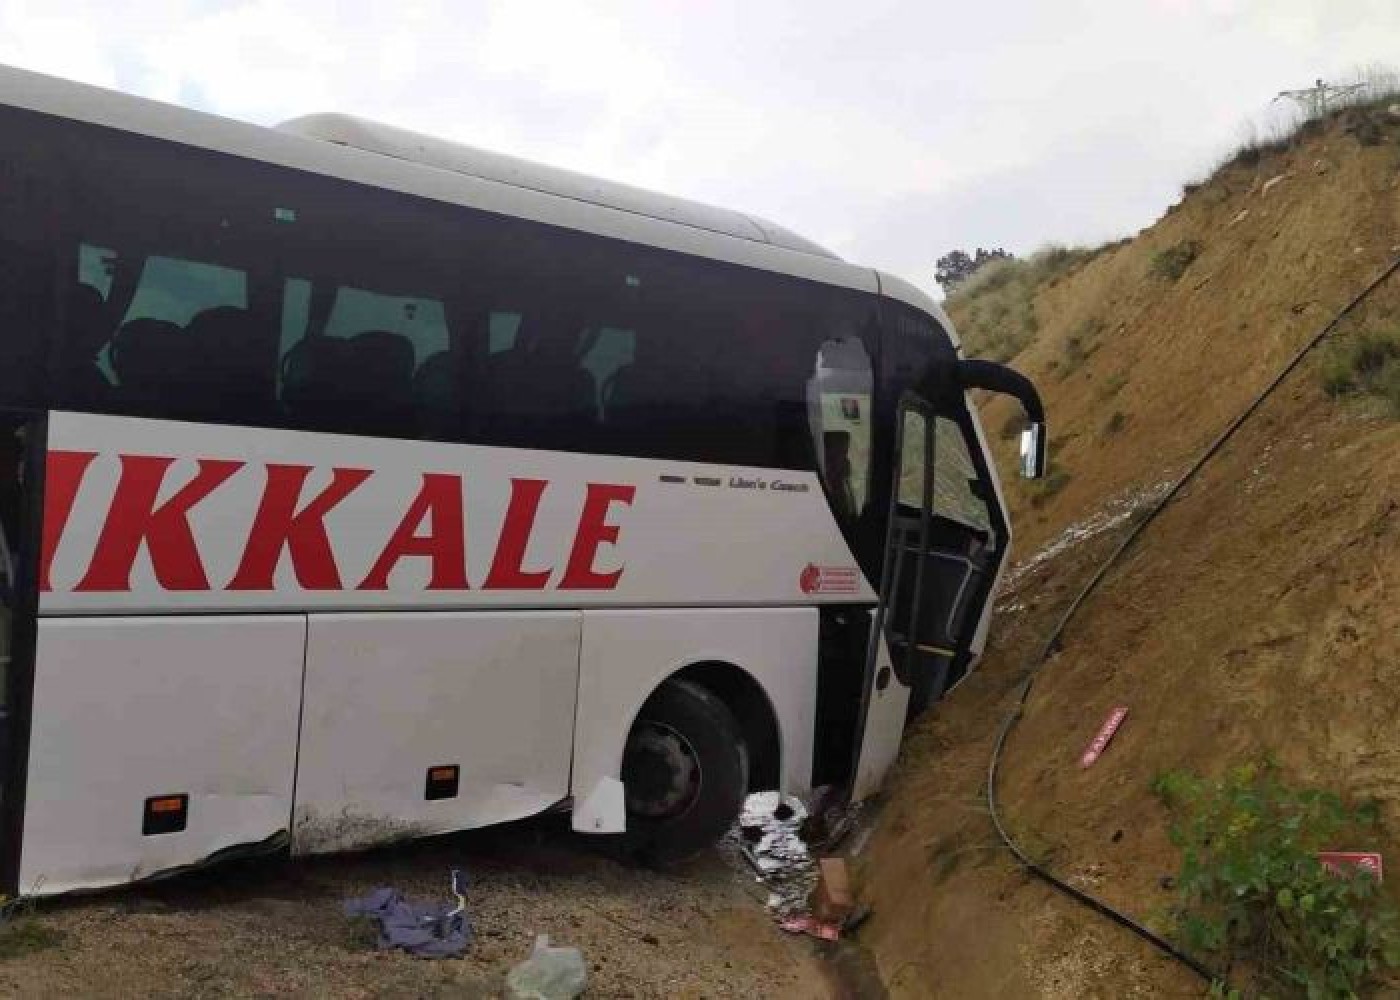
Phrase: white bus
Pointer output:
(358, 486)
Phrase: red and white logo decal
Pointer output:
(291, 520)
(829, 579)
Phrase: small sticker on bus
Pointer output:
(816, 579)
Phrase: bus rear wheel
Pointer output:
(686, 771)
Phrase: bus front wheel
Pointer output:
(685, 770)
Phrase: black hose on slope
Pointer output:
(1053, 643)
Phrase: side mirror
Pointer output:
(1033, 451)
(972, 373)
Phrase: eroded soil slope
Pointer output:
(1257, 616)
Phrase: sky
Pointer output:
(888, 132)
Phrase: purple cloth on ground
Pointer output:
(425, 931)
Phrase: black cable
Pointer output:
(1053, 643)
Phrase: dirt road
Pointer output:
(274, 928)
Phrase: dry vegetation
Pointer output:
(1359, 114)
(994, 310)
(1367, 365)
(1256, 618)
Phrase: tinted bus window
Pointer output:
(27, 263)
(211, 288)
(169, 281)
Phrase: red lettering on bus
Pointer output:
(278, 525)
(445, 543)
(507, 569)
(134, 519)
(63, 474)
(593, 532)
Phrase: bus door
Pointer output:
(11, 494)
(944, 544)
(21, 472)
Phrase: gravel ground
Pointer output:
(274, 927)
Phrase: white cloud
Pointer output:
(890, 131)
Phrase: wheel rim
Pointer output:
(660, 771)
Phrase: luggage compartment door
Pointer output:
(422, 723)
(157, 743)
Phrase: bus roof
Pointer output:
(397, 159)
(346, 130)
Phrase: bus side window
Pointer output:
(163, 336)
(184, 339)
(838, 401)
(382, 364)
(608, 355)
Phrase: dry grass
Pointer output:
(995, 309)
(1362, 114)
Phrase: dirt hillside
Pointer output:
(1258, 616)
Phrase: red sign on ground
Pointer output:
(810, 925)
(1110, 726)
(1342, 862)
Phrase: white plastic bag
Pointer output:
(548, 974)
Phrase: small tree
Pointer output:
(955, 267)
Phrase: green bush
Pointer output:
(1170, 264)
(1115, 423)
(1252, 892)
(1365, 365)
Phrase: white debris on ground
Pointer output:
(769, 837)
(1113, 513)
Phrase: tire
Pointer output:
(686, 771)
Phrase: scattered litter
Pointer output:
(808, 924)
(778, 854)
(748, 855)
(424, 931)
(1272, 181)
(862, 841)
(1100, 742)
(548, 974)
(826, 930)
(1338, 862)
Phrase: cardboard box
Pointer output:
(832, 900)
